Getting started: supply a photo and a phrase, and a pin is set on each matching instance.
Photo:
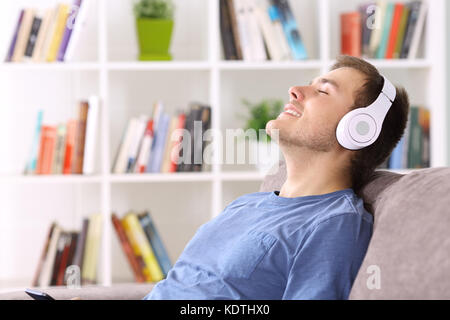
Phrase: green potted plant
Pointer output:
(154, 24)
(263, 148)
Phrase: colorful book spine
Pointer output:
(396, 19)
(71, 20)
(14, 38)
(387, 23)
(35, 26)
(158, 145)
(32, 164)
(80, 141)
(141, 246)
(61, 18)
(155, 241)
(351, 33)
(402, 31)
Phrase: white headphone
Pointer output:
(361, 127)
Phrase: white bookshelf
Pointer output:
(107, 66)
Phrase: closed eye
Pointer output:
(320, 91)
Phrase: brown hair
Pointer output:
(365, 161)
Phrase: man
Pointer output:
(307, 240)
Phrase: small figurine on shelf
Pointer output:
(154, 24)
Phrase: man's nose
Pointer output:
(296, 93)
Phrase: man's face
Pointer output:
(321, 106)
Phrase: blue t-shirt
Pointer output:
(263, 246)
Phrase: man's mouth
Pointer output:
(292, 110)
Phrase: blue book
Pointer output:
(386, 31)
(290, 29)
(32, 164)
(155, 241)
(396, 159)
(157, 151)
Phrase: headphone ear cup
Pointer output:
(356, 130)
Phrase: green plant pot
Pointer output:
(154, 37)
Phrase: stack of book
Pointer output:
(70, 248)
(413, 150)
(68, 148)
(162, 143)
(49, 35)
(384, 30)
(143, 246)
(259, 30)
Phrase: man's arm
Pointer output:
(328, 261)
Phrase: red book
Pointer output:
(46, 150)
(176, 144)
(70, 146)
(351, 33)
(398, 9)
(136, 265)
(63, 263)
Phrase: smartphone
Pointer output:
(38, 295)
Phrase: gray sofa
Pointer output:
(408, 256)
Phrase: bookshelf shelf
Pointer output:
(181, 202)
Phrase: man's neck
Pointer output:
(313, 173)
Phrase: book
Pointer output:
(199, 142)
(80, 138)
(79, 25)
(415, 140)
(58, 257)
(71, 133)
(155, 241)
(48, 37)
(92, 247)
(144, 151)
(47, 268)
(424, 122)
(32, 164)
(71, 20)
(402, 31)
(234, 28)
(418, 31)
(23, 35)
(35, 26)
(141, 246)
(136, 263)
(158, 145)
(170, 138)
(46, 150)
(397, 15)
(12, 45)
(43, 256)
(243, 29)
(92, 125)
(58, 30)
(136, 140)
(121, 161)
(177, 142)
(40, 39)
(367, 12)
(273, 43)
(255, 36)
(59, 280)
(279, 33)
(351, 33)
(387, 23)
(291, 31)
(70, 256)
(377, 25)
(78, 255)
(410, 28)
(226, 32)
(58, 157)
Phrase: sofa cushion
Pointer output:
(409, 253)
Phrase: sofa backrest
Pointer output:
(409, 254)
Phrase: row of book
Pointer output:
(63, 248)
(48, 35)
(67, 148)
(384, 30)
(413, 150)
(164, 143)
(142, 246)
(259, 30)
